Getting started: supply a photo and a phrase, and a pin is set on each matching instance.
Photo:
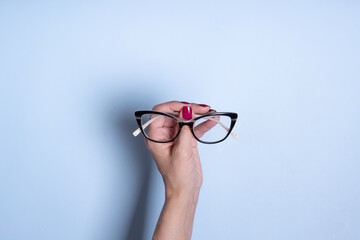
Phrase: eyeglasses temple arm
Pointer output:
(145, 125)
(221, 124)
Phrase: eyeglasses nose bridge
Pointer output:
(187, 123)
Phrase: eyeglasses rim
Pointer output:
(190, 123)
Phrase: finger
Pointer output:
(186, 138)
(200, 108)
(169, 107)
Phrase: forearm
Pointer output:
(177, 216)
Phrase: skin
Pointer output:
(180, 167)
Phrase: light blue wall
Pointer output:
(73, 72)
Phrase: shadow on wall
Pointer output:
(141, 163)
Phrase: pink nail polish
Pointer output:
(203, 105)
(187, 112)
(212, 110)
(185, 102)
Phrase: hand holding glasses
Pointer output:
(210, 128)
(179, 161)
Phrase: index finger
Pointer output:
(169, 107)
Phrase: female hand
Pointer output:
(179, 164)
(178, 161)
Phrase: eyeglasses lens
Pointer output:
(159, 127)
(212, 128)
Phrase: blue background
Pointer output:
(73, 72)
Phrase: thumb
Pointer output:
(186, 138)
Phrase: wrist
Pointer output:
(183, 195)
(180, 188)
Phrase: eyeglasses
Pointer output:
(213, 127)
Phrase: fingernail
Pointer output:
(203, 105)
(187, 112)
(212, 110)
(185, 102)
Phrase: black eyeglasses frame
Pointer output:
(190, 123)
